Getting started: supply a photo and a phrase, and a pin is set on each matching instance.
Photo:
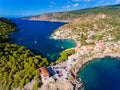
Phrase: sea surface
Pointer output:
(103, 74)
(35, 35)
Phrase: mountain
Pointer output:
(68, 16)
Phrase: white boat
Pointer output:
(35, 42)
(62, 47)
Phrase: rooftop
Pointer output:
(44, 71)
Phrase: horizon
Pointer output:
(25, 8)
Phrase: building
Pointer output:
(44, 72)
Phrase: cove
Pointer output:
(35, 35)
(103, 74)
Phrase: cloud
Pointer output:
(76, 5)
(117, 1)
(82, 0)
(68, 6)
(52, 4)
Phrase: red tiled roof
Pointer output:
(44, 72)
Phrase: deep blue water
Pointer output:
(35, 35)
(102, 75)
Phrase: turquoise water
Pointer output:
(35, 35)
(103, 74)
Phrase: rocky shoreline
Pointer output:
(86, 54)
(82, 63)
(94, 58)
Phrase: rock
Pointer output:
(59, 85)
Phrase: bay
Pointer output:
(35, 35)
(103, 74)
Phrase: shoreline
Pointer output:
(64, 21)
(56, 38)
(57, 21)
(109, 50)
(75, 74)
(9, 42)
(76, 62)
(97, 58)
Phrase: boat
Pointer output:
(35, 42)
(62, 47)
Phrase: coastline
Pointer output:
(82, 63)
(79, 60)
(9, 42)
(74, 70)
(96, 58)
(83, 57)
(33, 19)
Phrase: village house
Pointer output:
(44, 72)
(45, 75)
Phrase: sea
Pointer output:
(36, 36)
(102, 74)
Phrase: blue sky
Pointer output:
(19, 8)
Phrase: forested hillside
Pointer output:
(6, 27)
(18, 66)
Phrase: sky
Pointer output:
(20, 8)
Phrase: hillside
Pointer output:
(96, 32)
(18, 65)
(95, 25)
(90, 30)
(113, 10)
(6, 26)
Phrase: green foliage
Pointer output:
(35, 87)
(52, 63)
(64, 55)
(6, 26)
(18, 66)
